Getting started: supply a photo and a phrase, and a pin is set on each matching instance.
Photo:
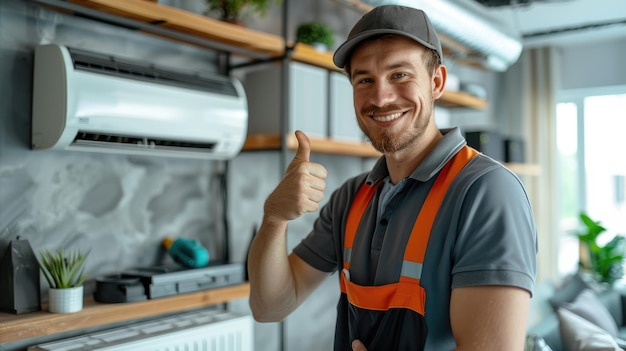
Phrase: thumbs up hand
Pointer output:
(302, 186)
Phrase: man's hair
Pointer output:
(431, 57)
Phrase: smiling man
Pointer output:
(435, 246)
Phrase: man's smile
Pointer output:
(387, 118)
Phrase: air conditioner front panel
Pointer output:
(173, 119)
(116, 105)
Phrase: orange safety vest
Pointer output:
(407, 293)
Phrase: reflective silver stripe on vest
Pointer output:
(411, 269)
(347, 254)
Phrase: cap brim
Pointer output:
(344, 50)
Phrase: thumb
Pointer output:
(304, 147)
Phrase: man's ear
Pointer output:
(439, 81)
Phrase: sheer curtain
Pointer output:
(539, 77)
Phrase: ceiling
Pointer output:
(560, 22)
(492, 33)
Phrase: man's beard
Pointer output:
(384, 140)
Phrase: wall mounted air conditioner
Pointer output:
(87, 101)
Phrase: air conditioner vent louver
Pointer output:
(87, 61)
(95, 139)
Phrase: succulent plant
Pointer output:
(63, 270)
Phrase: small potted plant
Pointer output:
(234, 11)
(65, 274)
(316, 34)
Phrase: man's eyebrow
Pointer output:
(400, 64)
(391, 67)
(359, 72)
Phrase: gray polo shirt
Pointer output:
(484, 233)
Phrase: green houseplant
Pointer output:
(313, 33)
(65, 274)
(235, 10)
(604, 261)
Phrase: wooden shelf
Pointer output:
(234, 37)
(307, 54)
(457, 99)
(329, 146)
(179, 20)
(24, 326)
(321, 145)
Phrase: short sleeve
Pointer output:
(497, 239)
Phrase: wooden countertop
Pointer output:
(24, 326)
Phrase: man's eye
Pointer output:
(399, 75)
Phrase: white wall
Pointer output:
(593, 64)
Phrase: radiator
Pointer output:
(207, 330)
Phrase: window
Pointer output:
(591, 144)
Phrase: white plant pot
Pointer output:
(65, 300)
(320, 47)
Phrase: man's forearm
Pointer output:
(272, 286)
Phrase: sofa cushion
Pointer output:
(548, 297)
(588, 306)
(568, 290)
(578, 334)
(614, 299)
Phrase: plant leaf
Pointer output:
(63, 270)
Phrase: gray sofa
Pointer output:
(544, 320)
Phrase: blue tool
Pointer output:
(190, 253)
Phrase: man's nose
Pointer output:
(382, 94)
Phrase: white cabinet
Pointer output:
(343, 124)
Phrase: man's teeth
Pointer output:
(387, 118)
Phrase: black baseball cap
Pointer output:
(390, 19)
